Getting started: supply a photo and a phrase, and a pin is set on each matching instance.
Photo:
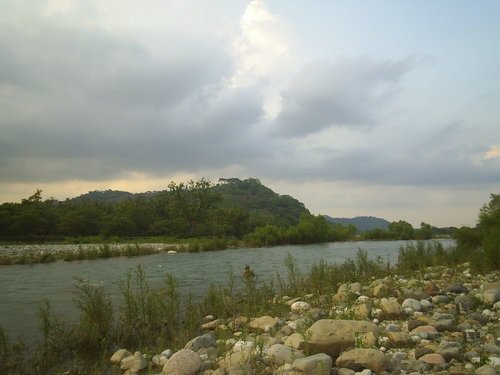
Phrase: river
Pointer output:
(24, 287)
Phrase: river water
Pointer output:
(24, 287)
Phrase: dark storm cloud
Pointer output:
(87, 104)
(345, 93)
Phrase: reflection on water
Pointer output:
(24, 287)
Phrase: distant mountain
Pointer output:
(362, 223)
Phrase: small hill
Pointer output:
(250, 194)
(103, 196)
(362, 223)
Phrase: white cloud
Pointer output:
(263, 45)
(492, 153)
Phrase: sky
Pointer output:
(382, 108)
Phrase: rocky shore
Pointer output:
(40, 253)
(445, 320)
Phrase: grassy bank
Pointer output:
(150, 319)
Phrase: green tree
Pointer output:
(489, 222)
(425, 231)
(401, 230)
(192, 202)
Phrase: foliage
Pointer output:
(230, 209)
(489, 222)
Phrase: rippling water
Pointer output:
(24, 287)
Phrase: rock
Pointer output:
(135, 362)
(295, 340)
(398, 339)
(183, 362)
(451, 350)
(345, 371)
(485, 370)
(204, 341)
(243, 345)
(264, 323)
(433, 358)
(391, 307)
(333, 336)
(491, 296)
(210, 326)
(443, 325)
(358, 359)
(426, 305)
(425, 331)
(119, 355)
(362, 311)
(414, 323)
(411, 304)
(491, 348)
(457, 289)
(483, 319)
(380, 290)
(318, 364)
(280, 354)
(440, 299)
(300, 306)
(431, 288)
(237, 359)
(466, 303)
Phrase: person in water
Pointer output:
(248, 274)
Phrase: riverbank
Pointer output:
(46, 253)
(333, 318)
(444, 320)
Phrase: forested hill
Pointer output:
(103, 196)
(362, 223)
(230, 208)
(249, 195)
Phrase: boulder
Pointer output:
(358, 359)
(318, 364)
(362, 311)
(300, 306)
(491, 296)
(119, 355)
(398, 339)
(411, 304)
(391, 307)
(183, 362)
(280, 354)
(334, 336)
(204, 341)
(433, 359)
(295, 340)
(485, 370)
(238, 359)
(135, 362)
(210, 326)
(264, 323)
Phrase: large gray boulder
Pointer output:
(358, 359)
(204, 341)
(184, 362)
(334, 336)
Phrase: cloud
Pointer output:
(348, 92)
(493, 153)
(263, 46)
